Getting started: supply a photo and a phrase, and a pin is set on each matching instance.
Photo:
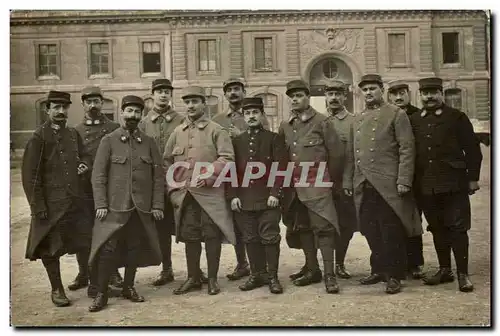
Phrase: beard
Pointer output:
(131, 123)
(94, 112)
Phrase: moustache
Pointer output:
(399, 100)
(233, 96)
(252, 119)
(333, 101)
(60, 116)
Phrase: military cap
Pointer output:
(193, 91)
(59, 96)
(297, 84)
(397, 85)
(90, 91)
(371, 78)
(132, 100)
(161, 83)
(430, 83)
(252, 102)
(233, 81)
(335, 85)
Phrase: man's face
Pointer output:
(431, 98)
(162, 97)
(131, 116)
(92, 105)
(400, 97)
(234, 93)
(299, 100)
(58, 111)
(335, 99)
(252, 116)
(195, 107)
(372, 92)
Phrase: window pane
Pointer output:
(43, 49)
(52, 60)
(104, 48)
(397, 48)
(453, 98)
(146, 47)
(152, 62)
(330, 69)
(203, 55)
(450, 48)
(52, 49)
(155, 47)
(259, 53)
(53, 69)
(268, 53)
(95, 48)
(212, 55)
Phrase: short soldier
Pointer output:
(256, 206)
(54, 158)
(399, 95)
(201, 212)
(92, 129)
(383, 154)
(447, 171)
(309, 212)
(128, 185)
(233, 121)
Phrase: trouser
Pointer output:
(415, 254)
(346, 212)
(449, 218)
(385, 234)
(53, 268)
(165, 228)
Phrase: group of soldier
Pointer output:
(99, 190)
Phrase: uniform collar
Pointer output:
(375, 105)
(438, 112)
(256, 130)
(200, 123)
(154, 114)
(101, 119)
(339, 115)
(230, 112)
(125, 135)
(304, 116)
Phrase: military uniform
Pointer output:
(448, 158)
(53, 187)
(258, 223)
(201, 214)
(384, 155)
(160, 124)
(310, 213)
(127, 179)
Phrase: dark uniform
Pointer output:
(159, 124)
(414, 247)
(258, 223)
(92, 130)
(448, 158)
(59, 219)
(309, 213)
(128, 181)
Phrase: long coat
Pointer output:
(128, 176)
(383, 154)
(200, 141)
(51, 182)
(311, 137)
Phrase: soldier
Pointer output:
(448, 166)
(256, 207)
(399, 96)
(201, 211)
(93, 127)
(54, 158)
(384, 155)
(233, 121)
(128, 185)
(309, 213)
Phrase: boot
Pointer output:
(416, 273)
(59, 298)
(193, 254)
(275, 285)
(203, 278)
(313, 273)
(82, 279)
(242, 268)
(116, 279)
(342, 272)
(213, 286)
(130, 293)
(372, 279)
(256, 267)
(299, 274)
(92, 292)
(253, 282)
(460, 247)
(444, 275)
(213, 250)
(393, 286)
(165, 277)
(331, 285)
(191, 284)
(99, 303)
(464, 283)
(261, 264)
(326, 246)
(309, 278)
(53, 268)
(272, 259)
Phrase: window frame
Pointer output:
(274, 52)
(407, 55)
(37, 45)
(109, 74)
(460, 51)
(153, 39)
(461, 47)
(217, 71)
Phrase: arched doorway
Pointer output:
(326, 69)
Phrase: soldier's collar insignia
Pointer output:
(124, 138)
(438, 112)
(55, 127)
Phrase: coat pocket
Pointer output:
(118, 159)
(146, 159)
(313, 142)
(178, 151)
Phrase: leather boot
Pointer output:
(298, 274)
(116, 279)
(99, 303)
(444, 275)
(253, 282)
(275, 285)
(213, 287)
(130, 293)
(372, 279)
(464, 283)
(342, 272)
(53, 268)
(256, 265)
(81, 281)
(59, 298)
(331, 285)
(203, 278)
(240, 271)
(416, 273)
(393, 286)
(92, 292)
(309, 278)
(165, 277)
(191, 284)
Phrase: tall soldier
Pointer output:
(255, 205)
(54, 158)
(448, 166)
(92, 129)
(384, 156)
(128, 185)
(309, 213)
(233, 121)
(201, 212)
(399, 95)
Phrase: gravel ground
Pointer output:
(356, 305)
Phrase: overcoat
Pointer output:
(51, 182)
(200, 141)
(383, 153)
(128, 176)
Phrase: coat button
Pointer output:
(359, 131)
(429, 148)
(295, 131)
(430, 161)
(371, 149)
(373, 129)
(373, 139)
(251, 143)
(359, 161)
(357, 150)
(294, 154)
(295, 143)
(372, 160)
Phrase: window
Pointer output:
(207, 55)
(270, 109)
(108, 109)
(330, 69)
(451, 54)
(453, 98)
(263, 53)
(151, 57)
(99, 58)
(397, 49)
(212, 106)
(48, 62)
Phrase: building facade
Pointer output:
(124, 51)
